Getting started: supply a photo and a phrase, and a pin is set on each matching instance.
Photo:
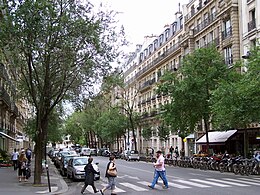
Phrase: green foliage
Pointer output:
(237, 101)
(191, 89)
(111, 124)
(147, 132)
(163, 132)
(54, 130)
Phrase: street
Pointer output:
(133, 178)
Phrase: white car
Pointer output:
(75, 168)
(85, 152)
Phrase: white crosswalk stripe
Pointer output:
(211, 183)
(241, 181)
(117, 190)
(134, 187)
(250, 179)
(228, 182)
(169, 183)
(123, 187)
(192, 183)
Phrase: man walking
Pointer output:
(159, 171)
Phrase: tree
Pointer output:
(112, 125)
(237, 101)
(191, 91)
(57, 49)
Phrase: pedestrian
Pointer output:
(111, 173)
(14, 158)
(89, 176)
(29, 154)
(22, 161)
(159, 171)
(176, 152)
(171, 151)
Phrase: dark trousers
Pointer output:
(85, 186)
(15, 164)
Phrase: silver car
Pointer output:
(132, 155)
(75, 168)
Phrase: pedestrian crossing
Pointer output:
(142, 186)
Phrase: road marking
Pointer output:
(117, 190)
(134, 187)
(53, 189)
(192, 184)
(240, 181)
(169, 183)
(211, 183)
(249, 179)
(228, 182)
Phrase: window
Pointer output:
(155, 43)
(150, 48)
(251, 23)
(227, 29)
(161, 39)
(228, 56)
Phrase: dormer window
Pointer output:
(174, 28)
(141, 57)
(167, 33)
(145, 53)
(161, 39)
(155, 43)
(150, 48)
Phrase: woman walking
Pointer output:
(89, 176)
(22, 160)
(111, 173)
(14, 157)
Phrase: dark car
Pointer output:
(64, 163)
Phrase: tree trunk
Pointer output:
(41, 137)
(206, 124)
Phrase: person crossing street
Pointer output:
(159, 171)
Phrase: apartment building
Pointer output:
(249, 25)
(13, 114)
(200, 24)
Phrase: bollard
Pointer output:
(48, 176)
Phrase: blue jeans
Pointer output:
(111, 183)
(156, 177)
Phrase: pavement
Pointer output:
(10, 185)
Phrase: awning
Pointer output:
(216, 137)
(7, 136)
(191, 136)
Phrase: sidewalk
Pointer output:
(10, 185)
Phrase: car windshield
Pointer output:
(134, 152)
(80, 161)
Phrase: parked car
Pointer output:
(64, 163)
(106, 153)
(132, 155)
(85, 152)
(57, 158)
(93, 151)
(75, 168)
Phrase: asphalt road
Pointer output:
(133, 178)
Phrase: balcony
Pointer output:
(227, 33)
(205, 23)
(4, 96)
(251, 25)
(214, 42)
(14, 109)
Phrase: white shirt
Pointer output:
(159, 165)
(15, 156)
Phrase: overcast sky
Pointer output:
(144, 17)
